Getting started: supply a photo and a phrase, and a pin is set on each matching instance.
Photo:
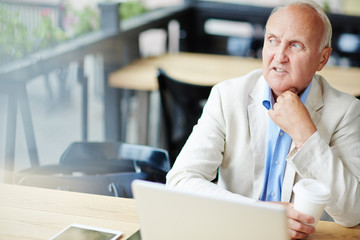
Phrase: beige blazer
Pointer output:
(230, 138)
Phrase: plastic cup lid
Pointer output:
(313, 191)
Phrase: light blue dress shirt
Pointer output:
(277, 148)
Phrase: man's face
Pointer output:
(291, 53)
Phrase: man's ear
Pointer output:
(325, 55)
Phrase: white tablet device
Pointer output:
(83, 232)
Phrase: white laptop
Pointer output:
(170, 214)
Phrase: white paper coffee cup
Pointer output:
(311, 197)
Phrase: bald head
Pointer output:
(319, 16)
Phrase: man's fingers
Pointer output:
(297, 235)
(300, 227)
(298, 222)
(280, 99)
(298, 216)
(298, 230)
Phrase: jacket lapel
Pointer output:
(313, 104)
(257, 115)
(315, 100)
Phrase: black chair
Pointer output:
(182, 105)
(104, 157)
(101, 164)
(113, 184)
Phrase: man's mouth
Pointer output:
(279, 70)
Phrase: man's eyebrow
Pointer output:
(298, 41)
(290, 41)
(270, 35)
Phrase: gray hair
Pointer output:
(327, 35)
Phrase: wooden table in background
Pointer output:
(30, 213)
(203, 69)
(209, 69)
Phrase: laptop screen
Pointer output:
(167, 213)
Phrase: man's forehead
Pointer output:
(298, 20)
(299, 13)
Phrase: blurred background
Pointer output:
(62, 52)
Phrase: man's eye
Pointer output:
(297, 45)
(272, 41)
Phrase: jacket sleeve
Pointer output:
(336, 162)
(199, 160)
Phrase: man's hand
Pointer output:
(291, 115)
(298, 222)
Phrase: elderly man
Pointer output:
(265, 131)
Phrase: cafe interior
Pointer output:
(95, 94)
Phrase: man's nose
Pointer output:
(281, 54)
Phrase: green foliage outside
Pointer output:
(130, 9)
(14, 37)
(16, 40)
(81, 21)
(46, 34)
(326, 6)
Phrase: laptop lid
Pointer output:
(170, 214)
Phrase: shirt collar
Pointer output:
(268, 98)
